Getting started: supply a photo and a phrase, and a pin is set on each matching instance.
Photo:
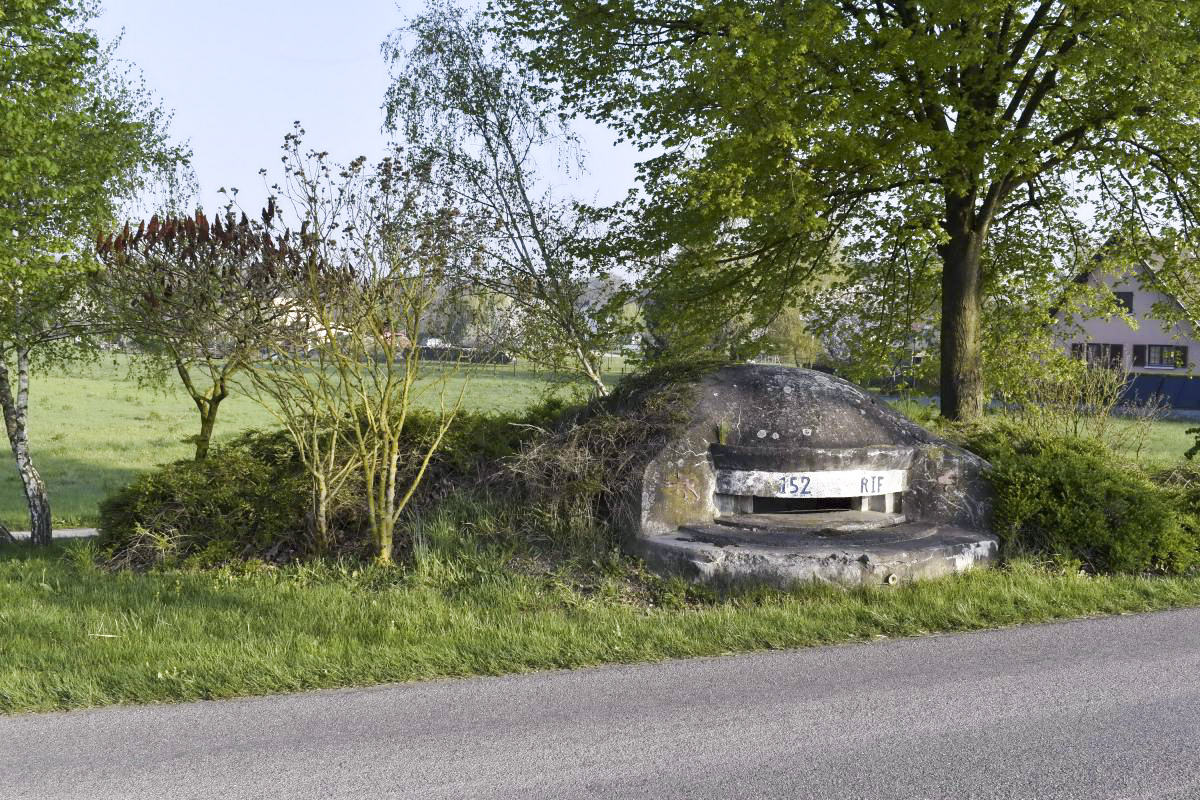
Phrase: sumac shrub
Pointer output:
(1074, 498)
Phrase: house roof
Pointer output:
(1141, 267)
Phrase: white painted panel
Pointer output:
(823, 483)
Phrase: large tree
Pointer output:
(75, 136)
(894, 127)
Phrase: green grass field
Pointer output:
(1168, 441)
(93, 429)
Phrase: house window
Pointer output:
(1100, 355)
(1165, 356)
(1124, 301)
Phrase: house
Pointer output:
(1160, 356)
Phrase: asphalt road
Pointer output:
(1105, 708)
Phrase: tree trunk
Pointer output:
(208, 419)
(385, 533)
(207, 404)
(320, 515)
(16, 424)
(592, 371)
(962, 305)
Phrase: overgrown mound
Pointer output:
(579, 473)
(1072, 498)
(560, 469)
(250, 497)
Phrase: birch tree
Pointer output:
(76, 136)
(468, 115)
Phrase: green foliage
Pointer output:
(475, 446)
(1195, 448)
(78, 136)
(471, 119)
(1056, 395)
(1073, 498)
(1183, 481)
(479, 439)
(664, 385)
(246, 499)
(249, 498)
(99, 429)
(960, 160)
(672, 334)
(790, 336)
(576, 477)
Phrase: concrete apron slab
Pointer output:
(783, 557)
(61, 533)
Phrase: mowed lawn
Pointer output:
(93, 429)
(1167, 441)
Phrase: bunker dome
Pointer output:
(782, 475)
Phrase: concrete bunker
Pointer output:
(784, 475)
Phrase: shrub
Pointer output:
(479, 440)
(248, 498)
(475, 449)
(1183, 481)
(1074, 498)
(1195, 448)
(243, 500)
(577, 476)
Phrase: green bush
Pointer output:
(1076, 499)
(480, 440)
(1183, 481)
(248, 498)
(581, 474)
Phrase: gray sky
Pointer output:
(237, 74)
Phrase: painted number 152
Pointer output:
(794, 484)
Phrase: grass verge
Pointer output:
(75, 636)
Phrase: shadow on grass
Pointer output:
(76, 488)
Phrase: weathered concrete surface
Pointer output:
(817, 522)
(780, 557)
(802, 435)
(61, 533)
